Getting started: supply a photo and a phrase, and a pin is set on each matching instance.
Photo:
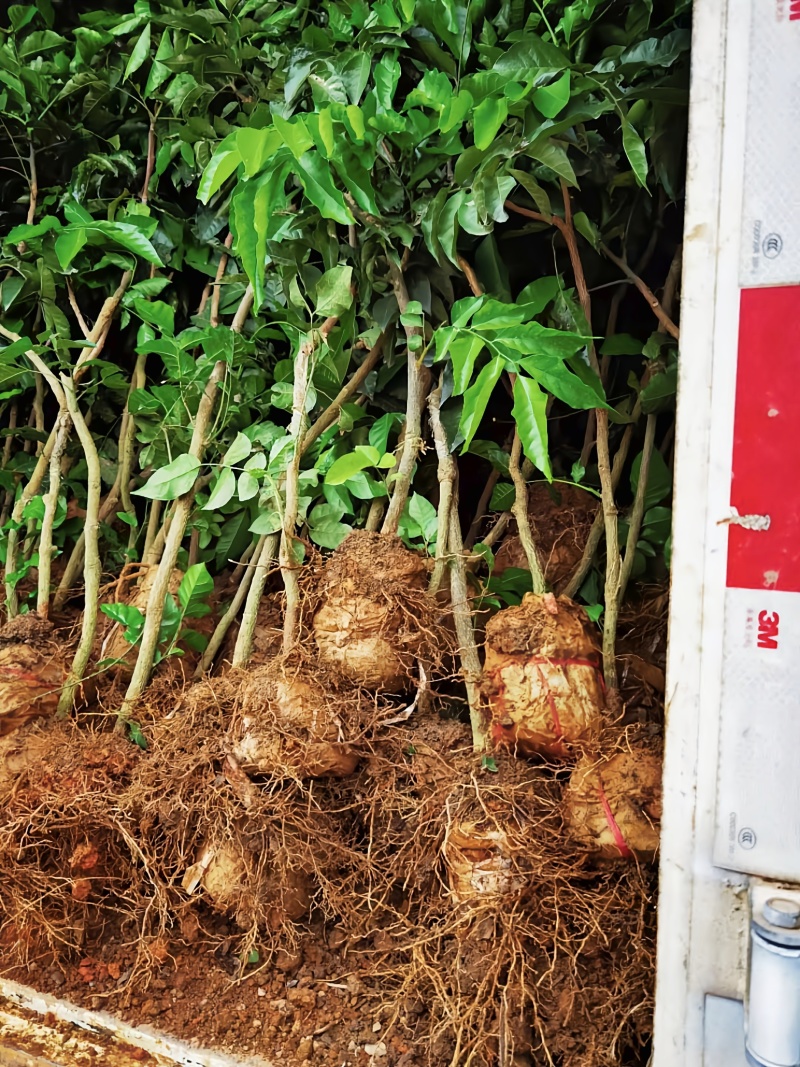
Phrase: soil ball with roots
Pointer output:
(479, 857)
(370, 626)
(32, 672)
(247, 888)
(561, 517)
(542, 677)
(288, 720)
(612, 806)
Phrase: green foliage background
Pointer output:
(336, 143)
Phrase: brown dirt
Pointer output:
(371, 624)
(421, 909)
(561, 517)
(541, 677)
(32, 671)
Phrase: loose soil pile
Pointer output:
(309, 862)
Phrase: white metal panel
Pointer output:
(758, 823)
(743, 186)
(770, 252)
(702, 938)
(724, 1025)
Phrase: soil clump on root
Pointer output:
(32, 671)
(542, 677)
(374, 620)
(561, 517)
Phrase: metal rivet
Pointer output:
(782, 912)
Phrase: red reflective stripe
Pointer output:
(619, 840)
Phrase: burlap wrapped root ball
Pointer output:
(562, 516)
(480, 857)
(542, 677)
(612, 805)
(32, 672)
(287, 722)
(370, 626)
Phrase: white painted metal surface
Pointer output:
(732, 799)
(37, 1030)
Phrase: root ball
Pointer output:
(369, 626)
(612, 806)
(288, 720)
(542, 678)
(561, 517)
(480, 861)
(31, 672)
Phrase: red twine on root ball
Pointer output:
(619, 839)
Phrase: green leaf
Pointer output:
(135, 734)
(488, 117)
(69, 243)
(254, 204)
(196, 585)
(555, 376)
(386, 75)
(130, 618)
(223, 491)
(247, 486)
(530, 415)
(256, 148)
(554, 157)
(621, 344)
(355, 120)
(553, 98)
(329, 533)
(585, 227)
(502, 497)
(129, 237)
(172, 481)
(239, 450)
(477, 397)
(463, 352)
(223, 163)
(659, 391)
(380, 429)
(424, 515)
(295, 135)
(532, 58)
(535, 191)
(334, 293)
(141, 50)
(268, 522)
(659, 479)
(455, 111)
(315, 176)
(635, 151)
(346, 466)
(538, 294)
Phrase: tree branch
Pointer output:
(418, 382)
(331, 412)
(667, 323)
